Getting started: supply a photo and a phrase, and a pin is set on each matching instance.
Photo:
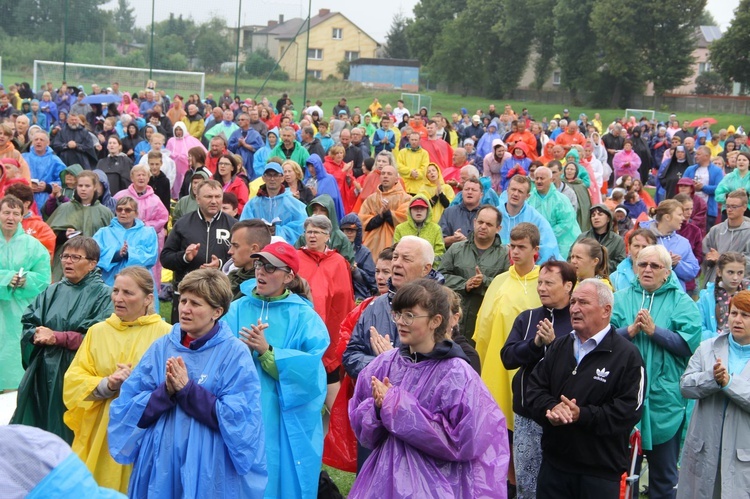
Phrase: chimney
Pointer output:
(281, 18)
(324, 12)
(271, 24)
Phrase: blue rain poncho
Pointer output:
(292, 403)
(178, 456)
(142, 248)
(287, 213)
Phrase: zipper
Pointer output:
(208, 239)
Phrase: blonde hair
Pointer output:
(211, 285)
(141, 277)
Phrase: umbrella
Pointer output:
(101, 99)
(698, 122)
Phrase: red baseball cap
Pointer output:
(416, 203)
(280, 255)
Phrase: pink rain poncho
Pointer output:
(439, 433)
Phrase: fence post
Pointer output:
(151, 54)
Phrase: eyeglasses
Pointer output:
(734, 206)
(315, 233)
(123, 209)
(349, 229)
(406, 317)
(272, 174)
(72, 258)
(268, 268)
(225, 163)
(652, 265)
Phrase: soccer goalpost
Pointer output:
(130, 79)
(648, 113)
(414, 102)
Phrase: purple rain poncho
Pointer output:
(439, 433)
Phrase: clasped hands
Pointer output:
(255, 337)
(379, 389)
(117, 378)
(378, 343)
(566, 412)
(177, 375)
(643, 322)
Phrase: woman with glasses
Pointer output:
(126, 242)
(333, 294)
(107, 356)
(188, 416)
(54, 326)
(227, 171)
(287, 340)
(25, 272)
(665, 324)
(431, 422)
(81, 216)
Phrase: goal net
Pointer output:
(130, 79)
(648, 113)
(415, 102)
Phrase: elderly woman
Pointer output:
(426, 393)
(54, 326)
(188, 417)
(24, 273)
(104, 361)
(329, 276)
(570, 177)
(126, 242)
(714, 461)
(227, 171)
(664, 323)
(287, 340)
(293, 177)
(82, 215)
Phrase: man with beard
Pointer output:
(74, 144)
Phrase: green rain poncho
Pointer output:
(559, 212)
(87, 219)
(672, 309)
(22, 251)
(63, 306)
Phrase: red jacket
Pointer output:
(329, 276)
(238, 187)
(34, 226)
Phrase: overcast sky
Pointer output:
(373, 17)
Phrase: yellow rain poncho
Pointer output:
(507, 296)
(107, 343)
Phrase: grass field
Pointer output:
(329, 93)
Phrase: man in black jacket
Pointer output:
(199, 239)
(74, 145)
(587, 394)
(532, 332)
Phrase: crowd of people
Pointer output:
(476, 305)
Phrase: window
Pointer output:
(556, 77)
(704, 67)
(315, 73)
(350, 56)
(338, 33)
(316, 54)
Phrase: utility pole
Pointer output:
(237, 55)
(307, 52)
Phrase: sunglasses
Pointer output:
(652, 265)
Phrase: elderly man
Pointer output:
(21, 139)
(352, 152)
(587, 408)
(532, 331)
(245, 141)
(148, 104)
(360, 140)
(80, 107)
(199, 239)
(556, 209)
(289, 148)
(277, 207)
(311, 143)
(44, 166)
(383, 210)
(469, 266)
(74, 144)
(194, 122)
(571, 136)
(226, 126)
(256, 124)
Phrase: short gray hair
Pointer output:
(428, 252)
(656, 250)
(319, 222)
(603, 292)
(472, 170)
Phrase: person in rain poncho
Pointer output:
(37, 464)
(486, 142)
(287, 340)
(717, 377)
(168, 166)
(509, 294)
(323, 205)
(363, 273)
(54, 326)
(556, 209)
(44, 166)
(322, 182)
(436, 191)
(83, 214)
(665, 324)
(276, 206)
(178, 147)
(424, 405)
(383, 210)
(419, 223)
(603, 227)
(24, 273)
(126, 242)
(109, 352)
(189, 416)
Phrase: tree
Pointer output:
(575, 44)
(212, 46)
(123, 17)
(544, 39)
(430, 18)
(343, 67)
(729, 53)
(707, 19)
(396, 42)
(712, 83)
(46, 19)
